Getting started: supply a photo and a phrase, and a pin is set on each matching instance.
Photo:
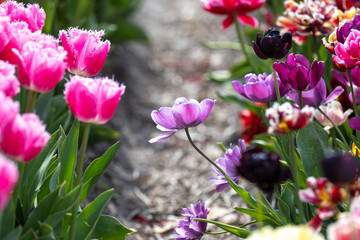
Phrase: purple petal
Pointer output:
(258, 51)
(283, 71)
(259, 92)
(298, 78)
(340, 78)
(164, 117)
(162, 137)
(316, 72)
(354, 123)
(187, 114)
(313, 97)
(334, 94)
(239, 87)
(206, 106)
(355, 76)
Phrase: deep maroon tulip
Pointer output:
(272, 45)
(296, 72)
(339, 167)
(262, 168)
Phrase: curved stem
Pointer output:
(215, 233)
(278, 96)
(300, 99)
(241, 41)
(336, 128)
(294, 171)
(79, 170)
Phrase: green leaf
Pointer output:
(126, 31)
(29, 235)
(312, 141)
(259, 215)
(68, 156)
(241, 101)
(45, 232)
(100, 133)
(43, 210)
(240, 232)
(43, 104)
(13, 235)
(88, 218)
(109, 228)
(95, 170)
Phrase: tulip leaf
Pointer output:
(109, 228)
(312, 141)
(241, 101)
(237, 231)
(14, 234)
(95, 170)
(29, 235)
(43, 104)
(68, 156)
(88, 218)
(126, 31)
(259, 215)
(45, 187)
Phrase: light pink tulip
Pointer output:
(8, 177)
(25, 138)
(86, 52)
(32, 14)
(93, 100)
(39, 68)
(9, 84)
(335, 112)
(8, 111)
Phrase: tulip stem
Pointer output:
(300, 99)
(336, 128)
(241, 41)
(278, 96)
(31, 100)
(79, 170)
(353, 94)
(294, 171)
(316, 48)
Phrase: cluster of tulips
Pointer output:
(297, 144)
(39, 187)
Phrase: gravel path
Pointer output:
(154, 181)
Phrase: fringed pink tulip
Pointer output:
(29, 134)
(39, 68)
(86, 52)
(347, 54)
(32, 14)
(9, 175)
(93, 100)
(8, 112)
(9, 85)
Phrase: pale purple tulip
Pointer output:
(8, 177)
(335, 112)
(296, 72)
(189, 228)
(230, 163)
(316, 96)
(184, 114)
(9, 85)
(259, 88)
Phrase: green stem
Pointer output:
(278, 96)
(241, 41)
(79, 170)
(216, 233)
(260, 220)
(315, 43)
(336, 128)
(353, 94)
(31, 98)
(294, 171)
(300, 99)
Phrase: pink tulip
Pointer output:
(39, 68)
(8, 112)
(347, 54)
(229, 7)
(93, 100)
(8, 177)
(30, 137)
(86, 52)
(335, 112)
(9, 84)
(15, 35)
(32, 14)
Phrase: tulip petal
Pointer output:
(164, 117)
(162, 137)
(258, 51)
(239, 87)
(206, 106)
(340, 78)
(355, 76)
(354, 123)
(258, 92)
(298, 78)
(334, 94)
(248, 20)
(187, 115)
(227, 22)
(316, 72)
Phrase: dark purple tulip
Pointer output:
(272, 45)
(259, 88)
(316, 96)
(354, 123)
(339, 167)
(297, 74)
(343, 32)
(262, 168)
(190, 229)
(355, 77)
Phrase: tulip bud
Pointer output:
(339, 167)
(272, 45)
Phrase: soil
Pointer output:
(153, 182)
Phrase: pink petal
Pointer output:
(248, 20)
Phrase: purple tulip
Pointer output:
(230, 163)
(343, 32)
(183, 114)
(272, 45)
(340, 167)
(190, 229)
(259, 88)
(297, 74)
(355, 77)
(316, 96)
(354, 123)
